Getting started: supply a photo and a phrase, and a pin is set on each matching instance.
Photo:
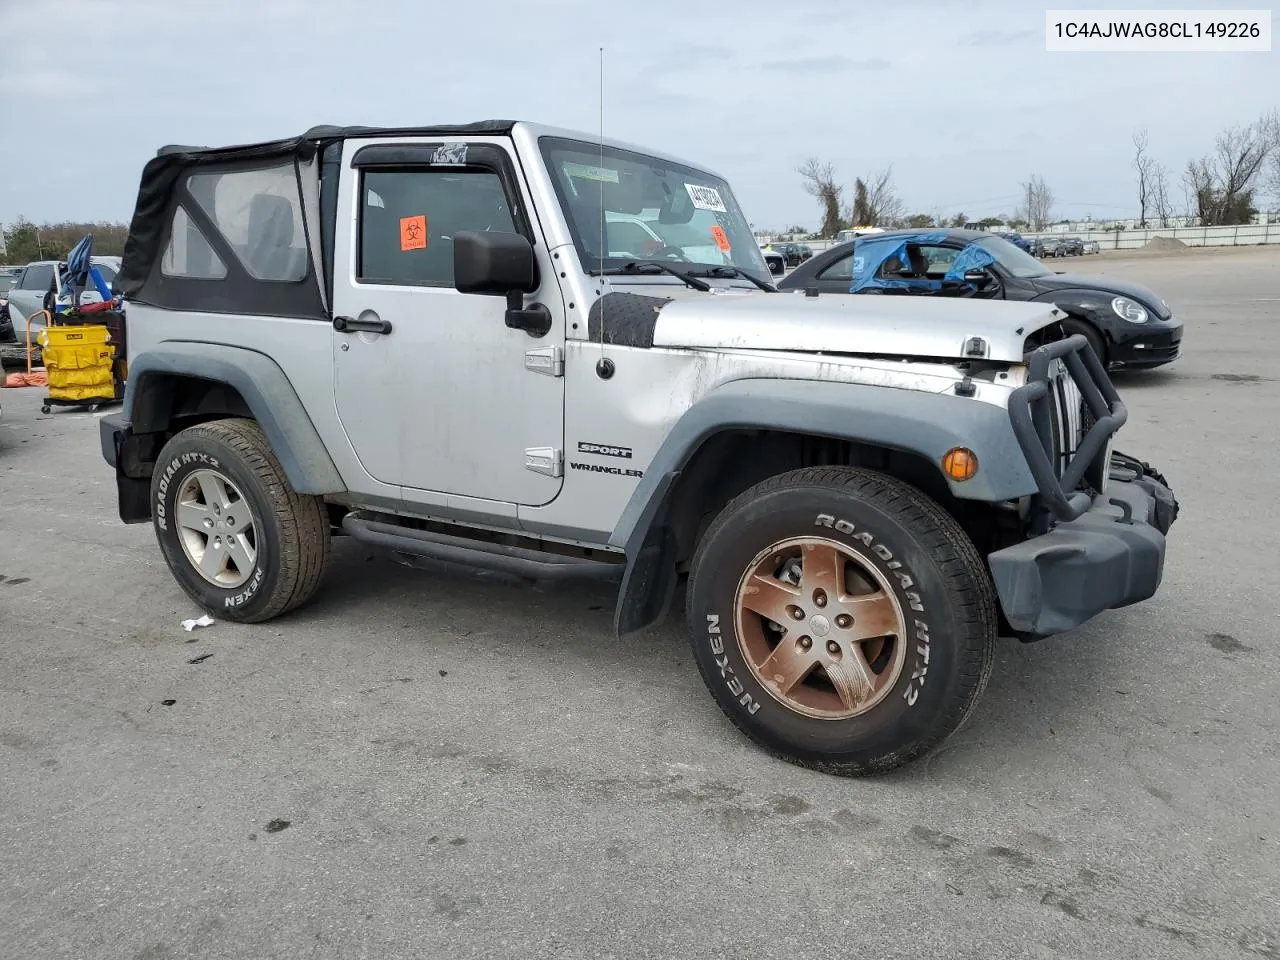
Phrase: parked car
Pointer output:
(1045, 246)
(1017, 240)
(27, 295)
(852, 234)
(777, 261)
(8, 275)
(1127, 325)
(1070, 247)
(794, 253)
(857, 506)
(1091, 246)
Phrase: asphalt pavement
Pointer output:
(421, 766)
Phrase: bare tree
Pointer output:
(820, 183)
(875, 204)
(1143, 164)
(1160, 202)
(1037, 203)
(1222, 184)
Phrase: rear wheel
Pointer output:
(237, 538)
(841, 619)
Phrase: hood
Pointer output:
(1109, 285)
(868, 325)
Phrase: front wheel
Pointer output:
(1090, 333)
(237, 538)
(841, 619)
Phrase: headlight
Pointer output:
(1130, 310)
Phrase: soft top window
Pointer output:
(259, 213)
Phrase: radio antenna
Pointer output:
(600, 181)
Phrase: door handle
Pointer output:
(347, 325)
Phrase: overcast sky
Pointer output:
(961, 98)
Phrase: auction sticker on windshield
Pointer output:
(584, 172)
(706, 198)
(721, 238)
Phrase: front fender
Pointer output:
(1091, 305)
(258, 379)
(926, 424)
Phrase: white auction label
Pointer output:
(1158, 31)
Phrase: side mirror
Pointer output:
(500, 265)
(493, 263)
(980, 277)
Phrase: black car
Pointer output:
(7, 277)
(1126, 324)
(1070, 247)
(777, 263)
(795, 253)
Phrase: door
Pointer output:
(27, 297)
(434, 391)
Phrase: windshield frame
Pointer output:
(1026, 267)
(745, 255)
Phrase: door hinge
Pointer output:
(548, 461)
(549, 361)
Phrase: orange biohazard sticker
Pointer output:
(413, 233)
(722, 239)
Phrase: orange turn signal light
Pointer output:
(960, 463)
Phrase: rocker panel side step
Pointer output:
(498, 557)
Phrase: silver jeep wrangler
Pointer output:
(527, 350)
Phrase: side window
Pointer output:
(938, 260)
(842, 269)
(188, 253)
(259, 214)
(38, 277)
(408, 219)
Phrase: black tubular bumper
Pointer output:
(1098, 552)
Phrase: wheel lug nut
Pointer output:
(796, 613)
(833, 647)
(844, 621)
(805, 643)
(820, 598)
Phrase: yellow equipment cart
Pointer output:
(79, 360)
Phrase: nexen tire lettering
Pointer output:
(243, 597)
(162, 488)
(722, 661)
(906, 581)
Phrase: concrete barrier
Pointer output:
(1245, 235)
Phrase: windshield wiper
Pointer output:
(636, 266)
(730, 272)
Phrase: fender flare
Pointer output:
(265, 388)
(1091, 306)
(926, 424)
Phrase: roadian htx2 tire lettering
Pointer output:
(935, 579)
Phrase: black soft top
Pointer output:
(161, 190)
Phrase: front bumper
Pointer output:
(1148, 350)
(1099, 519)
(1111, 556)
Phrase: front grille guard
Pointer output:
(1030, 412)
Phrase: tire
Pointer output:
(1090, 333)
(270, 566)
(925, 591)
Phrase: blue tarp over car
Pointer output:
(872, 253)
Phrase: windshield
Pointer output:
(1012, 259)
(652, 210)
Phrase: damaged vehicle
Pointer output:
(442, 341)
(1127, 325)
